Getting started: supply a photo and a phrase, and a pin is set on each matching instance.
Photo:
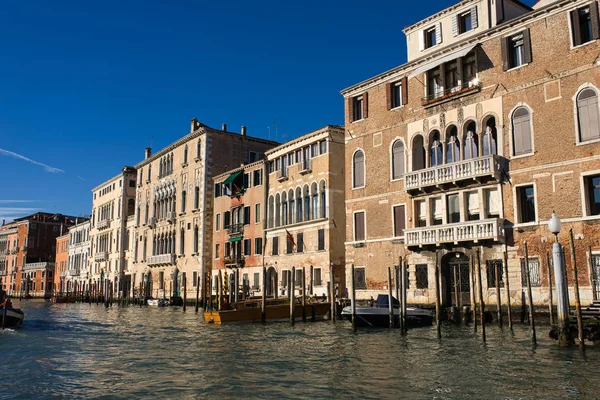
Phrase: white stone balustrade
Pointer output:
(471, 231)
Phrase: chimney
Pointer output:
(193, 124)
(148, 153)
(3, 222)
(243, 130)
(224, 127)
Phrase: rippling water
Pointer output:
(80, 351)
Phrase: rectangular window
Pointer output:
(257, 178)
(252, 156)
(399, 221)
(289, 244)
(270, 167)
(421, 213)
(357, 108)
(322, 147)
(421, 274)
(451, 77)
(256, 213)
(278, 164)
(226, 219)
(314, 149)
(434, 83)
(592, 193)
(298, 156)
(131, 183)
(534, 272)
(516, 50)
(246, 182)
(526, 204)
(464, 22)
(436, 208)
(218, 222)
(247, 215)
(453, 208)
(195, 279)
(247, 247)
(256, 284)
(396, 94)
(493, 203)
(469, 69)
(584, 24)
(300, 242)
(258, 245)
(491, 273)
(472, 206)
(217, 251)
(299, 277)
(217, 190)
(317, 281)
(359, 226)
(285, 278)
(275, 250)
(430, 37)
(360, 279)
(321, 239)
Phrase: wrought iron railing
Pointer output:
(439, 95)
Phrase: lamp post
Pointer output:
(564, 337)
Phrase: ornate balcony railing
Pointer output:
(37, 266)
(171, 216)
(161, 259)
(282, 175)
(103, 224)
(101, 256)
(442, 95)
(305, 166)
(473, 169)
(234, 260)
(74, 272)
(235, 229)
(471, 231)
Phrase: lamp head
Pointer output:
(554, 224)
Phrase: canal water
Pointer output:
(74, 351)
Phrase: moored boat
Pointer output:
(379, 315)
(276, 309)
(158, 302)
(63, 299)
(14, 316)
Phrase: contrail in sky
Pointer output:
(29, 160)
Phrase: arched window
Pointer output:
(521, 132)
(160, 168)
(435, 158)
(306, 196)
(271, 210)
(292, 210)
(183, 198)
(490, 138)
(182, 242)
(397, 159)
(323, 200)
(198, 149)
(185, 154)
(315, 200)
(587, 115)
(418, 153)
(452, 146)
(358, 172)
(299, 205)
(149, 171)
(196, 239)
(277, 210)
(284, 208)
(471, 142)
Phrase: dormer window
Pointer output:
(430, 37)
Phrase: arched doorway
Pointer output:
(456, 282)
(271, 289)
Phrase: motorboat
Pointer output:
(275, 309)
(14, 316)
(63, 299)
(158, 302)
(379, 315)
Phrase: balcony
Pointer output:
(171, 216)
(441, 96)
(101, 256)
(472, 231)
(234, 261)
(74, 272)
(23, 248)
(151, 222)
(235, 229)
(37, 266)
(442, 176)
(305, 167)
(105, 223)
(161, 259)
(282, 175)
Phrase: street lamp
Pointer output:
(564, 338)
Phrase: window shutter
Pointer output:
(493, 202)
(388, 95)
(527, 145)
(399, 221)
(594, 18)
(359, 169)
(575, 27)
(589, 124)
(404, 90)
(527, 46)
(438, 33)
(359, 221)
(350, 106)
(455, 25)
(522, 134)
(421, 40)
(474, 19)
(365, 104)
(473, 200)
(397, 159)
(505, 63)
(518, 136)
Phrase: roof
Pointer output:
(47, 217)
(126, 169)
(243, 167)
(292, 142)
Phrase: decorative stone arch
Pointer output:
(418, 152)
(393, 142)
(575, 101)
(364, 167)
(510, 127)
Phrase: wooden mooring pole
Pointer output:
(303, 294)
(184, 291)
(390, 299)
(438, 310)
(577, 298)
(498, 295)
(263, 303)
(332, 279)
(403, 287)
(529, 295)
(292, 296)
(219, 292)
(480, 290)
(353, 298)
(507, 286)
(197, 292)
(473, 291)
(594, 278)
(550, 296)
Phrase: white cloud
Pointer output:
(17, 201)
(29, 160)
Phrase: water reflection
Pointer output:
(78, 350)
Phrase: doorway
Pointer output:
(456, 282)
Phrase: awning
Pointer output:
(235, 239)
(440, 61)
(232, 177)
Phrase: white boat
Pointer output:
(158, 302)
(379, 315)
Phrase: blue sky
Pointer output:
(86, 84)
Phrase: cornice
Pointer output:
(306, 136)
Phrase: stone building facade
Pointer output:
(61, 262)
(78, 261)
(174, 206)
(113, 203)
(489, 127)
